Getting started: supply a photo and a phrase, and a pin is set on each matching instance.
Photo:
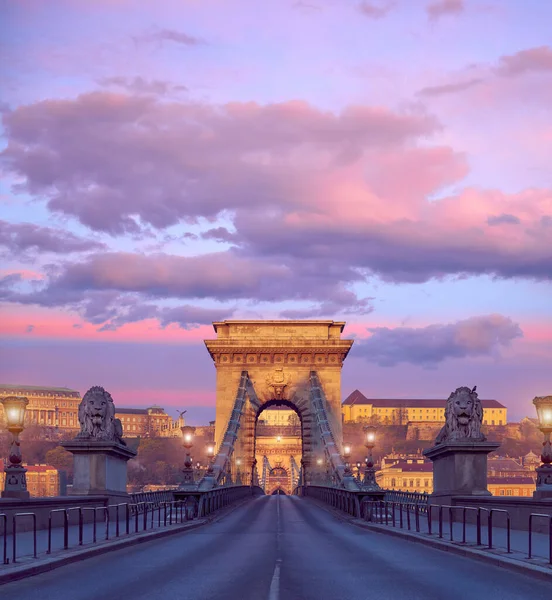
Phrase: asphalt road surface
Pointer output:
(279, 548)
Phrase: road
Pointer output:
(279, 548)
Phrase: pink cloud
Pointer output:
(440, 8)
(532, 60)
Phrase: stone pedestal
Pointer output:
(99, 468)
(15, 484)
(544, 483)
(459, 469)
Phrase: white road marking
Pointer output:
(274, 591)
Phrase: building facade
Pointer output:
(55, 407)
(407, 473)
(148, 422)
(357, 408)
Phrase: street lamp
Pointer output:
(16, 482)
(188, 437)
(543, 404)
(369, 472)
(358, 465)
(238, 472)
(211, 457)
(347, 456)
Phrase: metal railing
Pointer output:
(383, 512)
(146, 515)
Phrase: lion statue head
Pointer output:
(97, 417)
(463, 417)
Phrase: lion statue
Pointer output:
(463, 418)
(97, 417)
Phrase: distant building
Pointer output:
(148, 422)
(357, 408)
(407, 473)
(511, 486)
(55, 407)
(42, 481)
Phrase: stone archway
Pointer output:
(278, 359)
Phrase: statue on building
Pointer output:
(463, 418)
(97, 417)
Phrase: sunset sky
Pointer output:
(166, 164)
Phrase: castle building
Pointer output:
(357, 408)
(57, 408)
(148, 422)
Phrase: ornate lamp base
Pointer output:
(370, 484)
(544, 482)
(16, 483)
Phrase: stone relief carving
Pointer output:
(277, 381)
(463, 418)
(97, 417)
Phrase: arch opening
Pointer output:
(278, 443)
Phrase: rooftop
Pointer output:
(358, 397)
(512, 480)
(35, 388)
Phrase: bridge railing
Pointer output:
(411, 499)
(76, 526)
(488, 528)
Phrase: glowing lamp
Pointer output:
(14, 409)
(370, 433)
(319, 461)
(346, 451)
(210, 450)
(188, 435)
(543, 404)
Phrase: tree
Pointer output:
(62, 460)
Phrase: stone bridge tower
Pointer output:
(279, 358)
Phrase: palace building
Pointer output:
(57, 408)
(357, 408)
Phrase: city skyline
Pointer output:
(381, 163)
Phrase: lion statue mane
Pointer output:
(97, 417)
(463, 417)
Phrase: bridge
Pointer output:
(336, 536)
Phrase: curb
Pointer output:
(536, 571)
(67, 557)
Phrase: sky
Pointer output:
(164, 165)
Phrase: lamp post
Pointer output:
(238, 472)
(16, 481)
(358, 465)
(188, 470)
(347, 456)
(369, 472)
(211, 457)
(543, 404)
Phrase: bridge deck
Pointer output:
(273, 548)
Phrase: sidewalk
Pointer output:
(25, 541)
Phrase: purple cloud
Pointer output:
(451, 88)
(374, 10)
(206, 159)
(532, 60)
(21, 237)
(503, 219)
(427, 346)
(169, 35)
(139, 85)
